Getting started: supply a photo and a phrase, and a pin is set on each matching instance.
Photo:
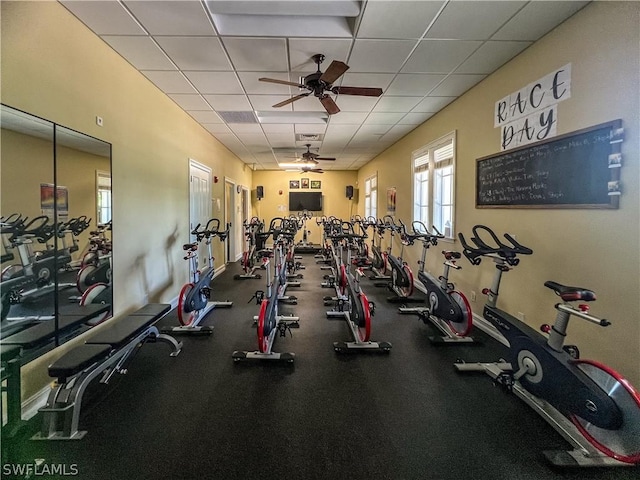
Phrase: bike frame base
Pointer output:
(357, 344)
(449, 338)
(583, 454)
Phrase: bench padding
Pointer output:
(122, 332)
(77, 359)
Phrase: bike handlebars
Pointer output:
(508, 252)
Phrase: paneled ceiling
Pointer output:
(208, 56)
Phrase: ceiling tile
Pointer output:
(221, 83)
(252, 85)
(277, 128)
(140, 51)
(309, 104)
(105, 17)
(231, 103)
(302, 49)
(396, 104)
(354, 103)
(473, 20)
(171, 17)
(190, 102)
(415, 118)
(266, 102)
(205, 117)
(433, 104)
(379, 56)
(216, 128)
(375, 80)
(195, 53)
(277, 140)
(383, 118)
(406, 19)
(536, 19)
(491, 56)
(310, 129)
(340, 131)
(455, 85)
(252, 128)
(344, 8)
(439, 56)
(170, 82)
(353, 118)
(412, 84)
(374, 129)
(257, 54)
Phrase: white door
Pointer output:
(230, 206)
(199, 199)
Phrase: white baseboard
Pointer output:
(32, 404)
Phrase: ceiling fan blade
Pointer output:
(329, 105)
(362, 91)
(281, 82)
(335, 70)
(290, 100)
(326, 159)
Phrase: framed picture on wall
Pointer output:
(294, 184)
(316, 184)
(304, 183)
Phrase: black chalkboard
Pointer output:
(569, 171)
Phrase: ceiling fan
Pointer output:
(311, 170)
(311, 157)
(320, 83)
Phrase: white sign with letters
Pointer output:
(530, 114)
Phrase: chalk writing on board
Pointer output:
(571, 170)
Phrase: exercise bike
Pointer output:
(593, 407)
(249, 263)
(194, 300)
(353, 305)
(269, 322)
(379, 262)
(304, 245)
(401, 275)
(448, 309)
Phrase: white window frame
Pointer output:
(103, 189)
(371, 196)
(429, 206)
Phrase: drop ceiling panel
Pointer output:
(456, 85)
(171, 17)
(396, 104)
(195, 53)
(439, 56)
(220, 83)
(412, 84)
(379, 56)
(231, 103)
(251, 84)
(302, 49)
(170, 82)
(190, 102)
(491, 56)
(257, 54)
(139, 51)
(105, 17)
(473, 20)
(433, 104)
(422, 54)
(407, 19)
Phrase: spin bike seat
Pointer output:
(570, 294)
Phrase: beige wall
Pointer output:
(61, 71)
(597, 249)
(276, 204)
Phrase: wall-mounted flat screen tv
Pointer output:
(299, 201)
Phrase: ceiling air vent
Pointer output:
(238, 117)
(309, 137)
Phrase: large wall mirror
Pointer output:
(55, 207)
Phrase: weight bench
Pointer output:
(29, 343)
(104, 354)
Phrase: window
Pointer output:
(434, 184)
(104, 197)
(371, 196)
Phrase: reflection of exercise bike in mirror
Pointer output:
(593, 407)
(447, 308)
(250, 260)
(269, 322)
(352, 304)
(304, 245)
(193, 301)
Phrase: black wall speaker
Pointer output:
(260, 192)
(349, 192)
